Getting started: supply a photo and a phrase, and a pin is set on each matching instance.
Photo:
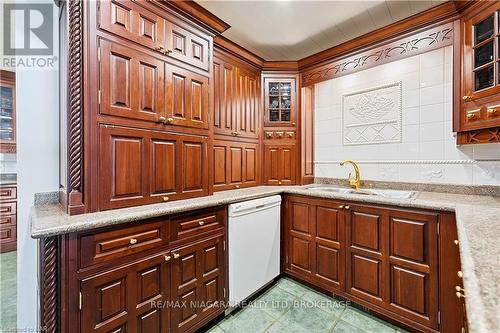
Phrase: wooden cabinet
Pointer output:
(384, 258)
(7, 112)
(236, 164)
(141, 166)
(237, 99)
(8, 218)
(280, 101)
(135, 21)
(279, 164)
(197, 282)
(479, 102)
(176, 284)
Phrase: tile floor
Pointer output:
(292, 307)
(8, 291)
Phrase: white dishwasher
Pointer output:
(254, 246)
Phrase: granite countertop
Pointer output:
(478, 224)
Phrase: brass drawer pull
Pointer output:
(467, 98)
(167, 258)
(455, 242)
(492, 111)
(458, 288)
(459, 295)
(201, 222)
(162, 119)
(341, 207)
(165, 198)
(279, 182)
(170, 120)
(237, 186)
(133, 241)
(471, 115)
(460, 274)
(347, 207)
(176, 255)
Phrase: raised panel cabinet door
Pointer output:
(186, 98)
(413, 262)
(366, 254)
(251, 164)
(271, 165)
(224, 100)
(127, 299)
(287, 165)
(197, 282)
(220, 165)
(329, 245)
(247, 104)
(194, 166)
(187, 46)
(131, 83)
(123, 167)
(299, 225)
(130, 20)
(165, 157)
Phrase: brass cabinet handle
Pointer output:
(160, 48)
(201, 222)
(167, 258)
(170, 120)
(176, 255)
(235, 133)
(293, 123)
(458, 288)
(237, 186)
(269, 135)
(455, 242)
(279, 182)
(471, 114)
(279, 134)
(459, 295)
(165, 198)
(347, 207)
(467, 98)
(460, 274)
(290, 134)
(341, 207)
(491, 111)
(162, 119)
(133, 241)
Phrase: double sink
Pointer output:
(393, 194)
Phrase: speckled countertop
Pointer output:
(478, 224)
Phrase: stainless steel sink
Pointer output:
(393, 194)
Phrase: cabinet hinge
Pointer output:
(99, 54)
(439, 317)
(80, 301)
(99, 97)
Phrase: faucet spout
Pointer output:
(356, 181)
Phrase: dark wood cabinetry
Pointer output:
(143, 166)
(162, 275)
(7, 111)
(8, 218)
(236, 164)
(479, 102)
(280, 101)
(391, 260)
(279, 164)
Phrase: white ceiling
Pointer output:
(292, 29)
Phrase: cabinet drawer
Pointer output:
(8, 234)
(114, 244)
(6, 220)
(193, 225)
(8, 193)
(8, 208)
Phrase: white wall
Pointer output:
(428, 152)
(38, 171)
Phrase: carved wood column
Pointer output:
(49, 318)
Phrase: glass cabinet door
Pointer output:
(7, 124)
(280, 102)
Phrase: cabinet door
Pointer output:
(197, 282)
(300, 257)
(131, 83)
(139, 167)
(123, 299)
(236, 164)
(187, 46)
(279, 164)
(280, 102)
(247, 104)
(186, 98)
(224, 100)
(130, 20)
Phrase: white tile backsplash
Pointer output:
(426, 126)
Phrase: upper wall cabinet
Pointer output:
(237, 96)
(481, 68)
(7, 112)
(280, 102)
(132, 21)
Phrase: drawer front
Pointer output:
(7, 220)
(195, 225)
(7, 234)
(8, 208)
(114, 244)
(8, 193)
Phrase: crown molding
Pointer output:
(199, 13)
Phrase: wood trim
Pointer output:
(445, 11)
(200, 14)
(75, 107)
(49, 284)
(289, 66)
(234, 49)
(410, 45)
(486, 135)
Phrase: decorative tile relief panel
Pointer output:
(426, 150)
(372, 116)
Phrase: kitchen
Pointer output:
(340, 174)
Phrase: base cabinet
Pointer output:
(387, 259)
(279, 164)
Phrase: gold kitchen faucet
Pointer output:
(356, 181)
